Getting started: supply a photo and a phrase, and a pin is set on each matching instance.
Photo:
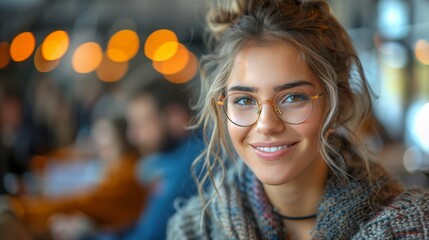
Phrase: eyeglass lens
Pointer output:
(244, 109)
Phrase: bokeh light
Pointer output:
(421, 51)
(393, 18)
(87, 57)
(123, 45)
(175, 64)
(111, 71)
(22, 46)
(161, 45)
(166, 51)
(187, 73)
(421, 127)
(43, 65)
(4, 54)
(55, 45)
(413, 159)
(394, 54)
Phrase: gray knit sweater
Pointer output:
(359, 209)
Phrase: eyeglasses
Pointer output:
(244, 109)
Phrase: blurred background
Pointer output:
(392, 40)
(62, 62)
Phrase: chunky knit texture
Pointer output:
(357, 209)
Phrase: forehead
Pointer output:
(270, 65)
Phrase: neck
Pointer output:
(301, 196)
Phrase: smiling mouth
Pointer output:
(274, 149)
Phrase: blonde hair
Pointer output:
(323, 44)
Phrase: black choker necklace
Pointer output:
(295, 218)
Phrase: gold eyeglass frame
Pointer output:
(221, 102)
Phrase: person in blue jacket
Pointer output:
(158, 115)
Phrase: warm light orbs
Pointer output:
(43, 65)
(123, 45)
(55, 45)
(87, 57)
(421, 51)
(187, 73)
(175, 64)
(111, 71)
(22, 46)
(164, 39)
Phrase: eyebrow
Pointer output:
(292, 85)
(242, 89)
(279, 88)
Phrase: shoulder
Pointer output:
(406, 217)
(187, 222)
(192, 221)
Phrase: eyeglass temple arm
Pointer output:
(221, 100)
(316, 96)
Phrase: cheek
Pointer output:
(312, 127)
(309, 132)
(237, 135)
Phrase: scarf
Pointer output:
(243, 211)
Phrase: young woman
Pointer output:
(285, 89)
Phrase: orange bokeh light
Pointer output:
(22, 46)
(87, 57)
(175, 64)
(166, 51)
(123, 46)
(156, 40)
(187, 73)
(4, 54)
(111, 71)
(43, 65)
(55, 45)
(421, 51)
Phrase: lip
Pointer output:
(285, 147)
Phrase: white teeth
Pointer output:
(271, 149)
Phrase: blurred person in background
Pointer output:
(87, 93)
(10, 121)
(112, 205)
(158, 114)
(50, 121)
(37, 123)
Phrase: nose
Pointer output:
(268, 121)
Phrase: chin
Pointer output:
(273, 182)
(272, 178)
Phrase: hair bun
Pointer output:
(224, 13)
